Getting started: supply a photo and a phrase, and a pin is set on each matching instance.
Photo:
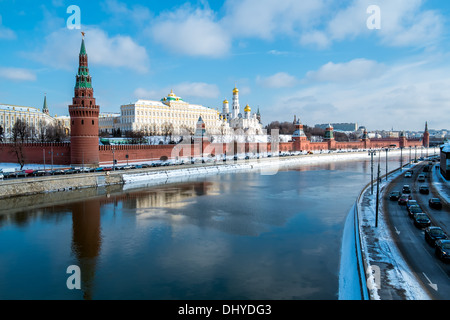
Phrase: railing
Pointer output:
(362, 264)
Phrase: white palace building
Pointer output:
(174, 114)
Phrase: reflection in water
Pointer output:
(86, 229)
(232, 236)
(86, 241)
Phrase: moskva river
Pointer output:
(231, 236)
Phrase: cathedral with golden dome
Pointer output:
(248, 122)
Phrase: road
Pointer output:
(434, 274)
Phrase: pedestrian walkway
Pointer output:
(388, 275)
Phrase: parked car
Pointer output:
(404, 199)
(394, 195)
(432, 234)
(406, 189)
(442, 250)
(435, 203)
(421, 178)
(424, 190)
(421, 220)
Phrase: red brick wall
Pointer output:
(34, 153)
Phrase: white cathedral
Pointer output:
(248, 123)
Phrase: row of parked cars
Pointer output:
(73, 170)
(434, 235)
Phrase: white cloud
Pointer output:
(403, 96)
(191, 32)
(403, 23)
(355, 70)
(266, 19)
(185, 89)
(17, 74)
(6, 33)
(278, 80)
(122, 14)
(61, 49)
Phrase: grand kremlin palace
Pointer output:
(35, 117)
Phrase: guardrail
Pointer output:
(362, 264)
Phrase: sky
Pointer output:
(325, 61)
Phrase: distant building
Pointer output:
(33, 117)
(234, 120)
(153, 116)
(108, 122)
(339, 126)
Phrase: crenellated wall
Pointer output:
(35, 152)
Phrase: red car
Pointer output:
(403, 200)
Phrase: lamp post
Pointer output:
(387, 150)
(378, 194)
(114, 159)
(401, 159)
(371, 154)
(410, 155)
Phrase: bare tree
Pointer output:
(137, 136)
(19, 135)
(55, 133)
(167, 130)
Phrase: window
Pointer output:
(82, 121)
(93, 122)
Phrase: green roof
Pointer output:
(83, 48)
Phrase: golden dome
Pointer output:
(235, 90)
(247, 108)
(171, 94)
(225, 101)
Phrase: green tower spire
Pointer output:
(83, 77)
(45, 108)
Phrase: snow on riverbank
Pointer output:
(380, 251)
(266, 166)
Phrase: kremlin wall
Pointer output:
(84, 148)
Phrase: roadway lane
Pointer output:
(434, 274)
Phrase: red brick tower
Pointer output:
(329, 137)
(299, 137)
(84, 143)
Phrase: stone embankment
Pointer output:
(157, 175)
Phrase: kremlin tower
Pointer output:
(84, 117)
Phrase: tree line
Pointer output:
(22, 132)
(288, 128)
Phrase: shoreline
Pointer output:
(138, 178)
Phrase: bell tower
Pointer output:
(84, 143)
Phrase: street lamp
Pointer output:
(387, 150)
(410, 155)
(378, 193)
(401, 159)
(114, 159)
(371, 154)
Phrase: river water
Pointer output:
(230, 236)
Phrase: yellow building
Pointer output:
(33, 117)
(155, 117)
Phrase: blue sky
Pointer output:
(315, 59)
